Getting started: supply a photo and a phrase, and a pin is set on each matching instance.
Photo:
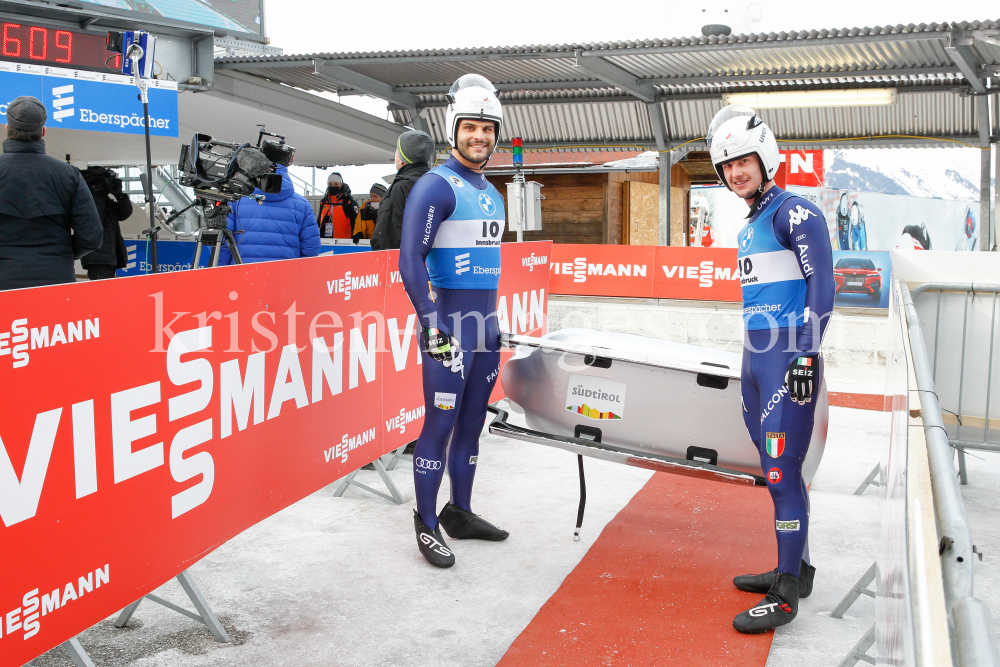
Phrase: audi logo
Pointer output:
(427, 464)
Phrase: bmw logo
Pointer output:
(486, 203)
(745, 241)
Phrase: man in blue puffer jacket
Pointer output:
(281, 226)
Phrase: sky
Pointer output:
(313, 26)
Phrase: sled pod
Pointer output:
(641, 401)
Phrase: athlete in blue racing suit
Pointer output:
(450, 264)
(786, 272)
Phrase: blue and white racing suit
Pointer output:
(786, 272)
(449, 259)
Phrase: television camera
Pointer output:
(221, 172)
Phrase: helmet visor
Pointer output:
(470, 81)
(727, 113)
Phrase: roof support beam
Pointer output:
(616, 76)
(345, 77)
(366, 84)
(800, 76)
(659, 124)
(964, 57)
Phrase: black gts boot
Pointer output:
(462, 524)
(761, 583)
(778, 607)
(432, 545)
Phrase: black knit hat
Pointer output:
(26, 114)
(378, 189)
(415, 146)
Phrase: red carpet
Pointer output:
(876, 402)
(656, 587)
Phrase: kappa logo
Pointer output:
(486, 203)
(774, 475)
(427, 464)
(456, 181)
(462, 263)
(787, 526)
(63, 105)
(797, 216)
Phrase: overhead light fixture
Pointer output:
(798, 99)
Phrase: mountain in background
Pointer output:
(941, 173)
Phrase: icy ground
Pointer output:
(339, 581)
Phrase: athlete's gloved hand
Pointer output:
(801, 378)
(439, 344)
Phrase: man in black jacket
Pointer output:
(47, 214)
(113, 206)
(414, 153)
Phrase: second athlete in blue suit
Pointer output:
(786, 273)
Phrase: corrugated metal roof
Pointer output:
(551, 97)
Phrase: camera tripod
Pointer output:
(214, 234)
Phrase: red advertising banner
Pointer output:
(402, 393)
(602, 270)
(148, 420)
(661, 272)
(804, 168)
(702, 274)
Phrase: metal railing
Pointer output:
(974, 640)
(965, 433)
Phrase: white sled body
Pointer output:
(651, 397)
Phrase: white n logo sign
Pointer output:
(803, 163)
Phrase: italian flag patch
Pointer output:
(775, 444)
(805, 361)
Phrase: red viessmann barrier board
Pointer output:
(148, 420)
(661, 272)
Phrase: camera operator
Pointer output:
(275, 226)
(365, 225)
(113, 206)
(414, 153)
(47, 214)
(338, 211)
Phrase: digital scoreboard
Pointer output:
(43, 45)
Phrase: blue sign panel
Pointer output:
(179, 255)
(79, 100)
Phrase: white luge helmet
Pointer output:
(738, 131)
(472, 96)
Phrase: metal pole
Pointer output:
(664, 165)
(974, 637)
(994, 230)
(984, 199)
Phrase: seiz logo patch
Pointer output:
(456, 181)
(774, 475)
(775, 444)
(444, 401)
(797, 216)
(787, 526)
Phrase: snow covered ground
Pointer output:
(338, 581)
